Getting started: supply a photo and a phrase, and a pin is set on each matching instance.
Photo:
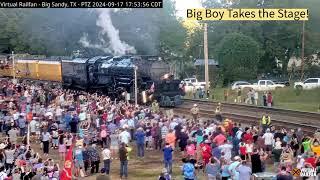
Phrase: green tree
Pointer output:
(238, 56)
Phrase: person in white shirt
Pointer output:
(268, 141)
(226, 149)
(3, 174)
(45, 141)
(124, 136)
(32, 126)
(106, 156)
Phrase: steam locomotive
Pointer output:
(107, 74)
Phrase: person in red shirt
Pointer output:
(206, 151)
(247, 136)
(269, 99)
(242, 150)
(311, 161)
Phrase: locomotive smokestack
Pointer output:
(112, 44)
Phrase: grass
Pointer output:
(285, 98)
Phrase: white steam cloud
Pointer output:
(115, 45)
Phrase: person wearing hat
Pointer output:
(195, 112)
(125, 135)
(164, 175)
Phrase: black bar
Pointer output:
(81, 4)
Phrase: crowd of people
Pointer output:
(100, 131)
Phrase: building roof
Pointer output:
(200, 62)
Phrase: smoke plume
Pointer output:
(114, 45)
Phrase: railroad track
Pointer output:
(249, 114)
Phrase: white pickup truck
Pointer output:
(310, 83)
(263, 85)
(194, 81)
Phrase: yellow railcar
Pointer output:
(49, 71)
(26, 69)
(33, 69)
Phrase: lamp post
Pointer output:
(13, 67)
(135, 86)
(205, 52)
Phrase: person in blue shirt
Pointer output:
(79, 160)
(140, 140)
(188, 170)
(225, 173)
(216, 152)
(167, 157)
(67, 119)
(22, 125)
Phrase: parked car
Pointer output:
(310, 83)
(284, 82)
(263, 85)
(236, 84)
(188, 87)
(194, 81)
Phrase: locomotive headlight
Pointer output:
(166, 76)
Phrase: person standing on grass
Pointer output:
(167, 157)
(124, 136)
(156, 134)
(114, 144)
(268, 141)
(239, 95)
(123, 156)
(171, 138)
(45, 138)
(269, 99)
(226, 94)
(94, 158)
(195, 112)
(78, 157)
(22, 125)
(188, 170)
(140, 140)
(13, 133)
(106, 156)
(256, 97)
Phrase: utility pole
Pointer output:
(13, 67)
(135, 86)
(302, 52)
(206, 60)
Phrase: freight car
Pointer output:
(48, 69)
(108, 74)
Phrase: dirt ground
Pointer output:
(148, 168)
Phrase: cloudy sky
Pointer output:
(183, 5)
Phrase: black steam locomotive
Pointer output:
(115, 76)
